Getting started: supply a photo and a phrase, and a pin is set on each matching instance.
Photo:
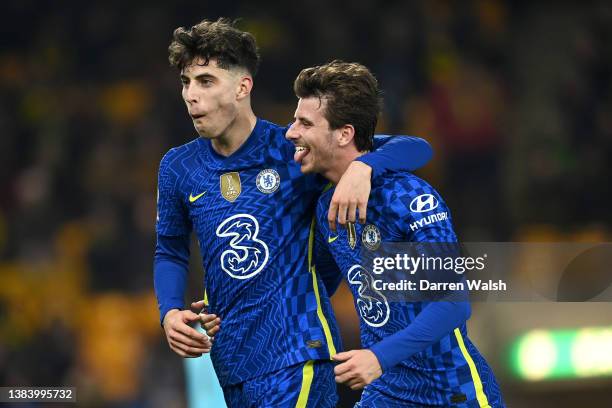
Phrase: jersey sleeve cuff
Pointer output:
(371, 160)
(381, 355)
(166, 308)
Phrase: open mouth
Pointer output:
(300, 153)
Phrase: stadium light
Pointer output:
(562, 354)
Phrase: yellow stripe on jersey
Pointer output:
(480, 395)
(311, 267)
(307, 374)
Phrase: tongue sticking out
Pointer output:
(300, 153)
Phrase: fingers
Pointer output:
(363, 211)
(183, 339)
(351, 195)
(353, 381)
(351, 378)
(352, 210)
(349, 375)
(187, 342)
(346, 211)
(203, 346)
(184, 351)
(207, 320)
(343, 356)
(351, 371)
(199, 305)
(187, 316)
(213, 332)
(190, 332)
(342, 209)
(356, 384)
(332, 214)
(342, 369)
(211, 323)
(179, 320)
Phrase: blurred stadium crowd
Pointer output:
(514, 97)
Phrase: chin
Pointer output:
(205, 133)
(305, 169)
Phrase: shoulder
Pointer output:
(271, 132)
(407, 193)
(273, 127)
(403, 184)
(175, 164)
(414, 209)
(179, 154)
(277, 144)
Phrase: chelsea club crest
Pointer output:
(370, 236)
(268, 181)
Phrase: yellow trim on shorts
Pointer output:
(311, 267)
(307, 374)
(480, 395)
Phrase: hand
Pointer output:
(358, 369)
(198, 307)
(352, 193)
(183, 339)
(211, 323)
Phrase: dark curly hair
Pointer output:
(352, 96)
(220, 40)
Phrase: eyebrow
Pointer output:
(199, 77)
(304, 120)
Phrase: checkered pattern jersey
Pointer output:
(451, 372)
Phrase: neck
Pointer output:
(341, 161)
(236, 134)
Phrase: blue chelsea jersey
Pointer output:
(449, 372)
(252, 214)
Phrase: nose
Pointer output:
(292, 134)
(189, 93)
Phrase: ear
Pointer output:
(345, 135)
(244, 86)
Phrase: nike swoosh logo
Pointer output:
(193, 199)
(331, 239)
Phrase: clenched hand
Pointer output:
(358, 368)
(183, 339)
